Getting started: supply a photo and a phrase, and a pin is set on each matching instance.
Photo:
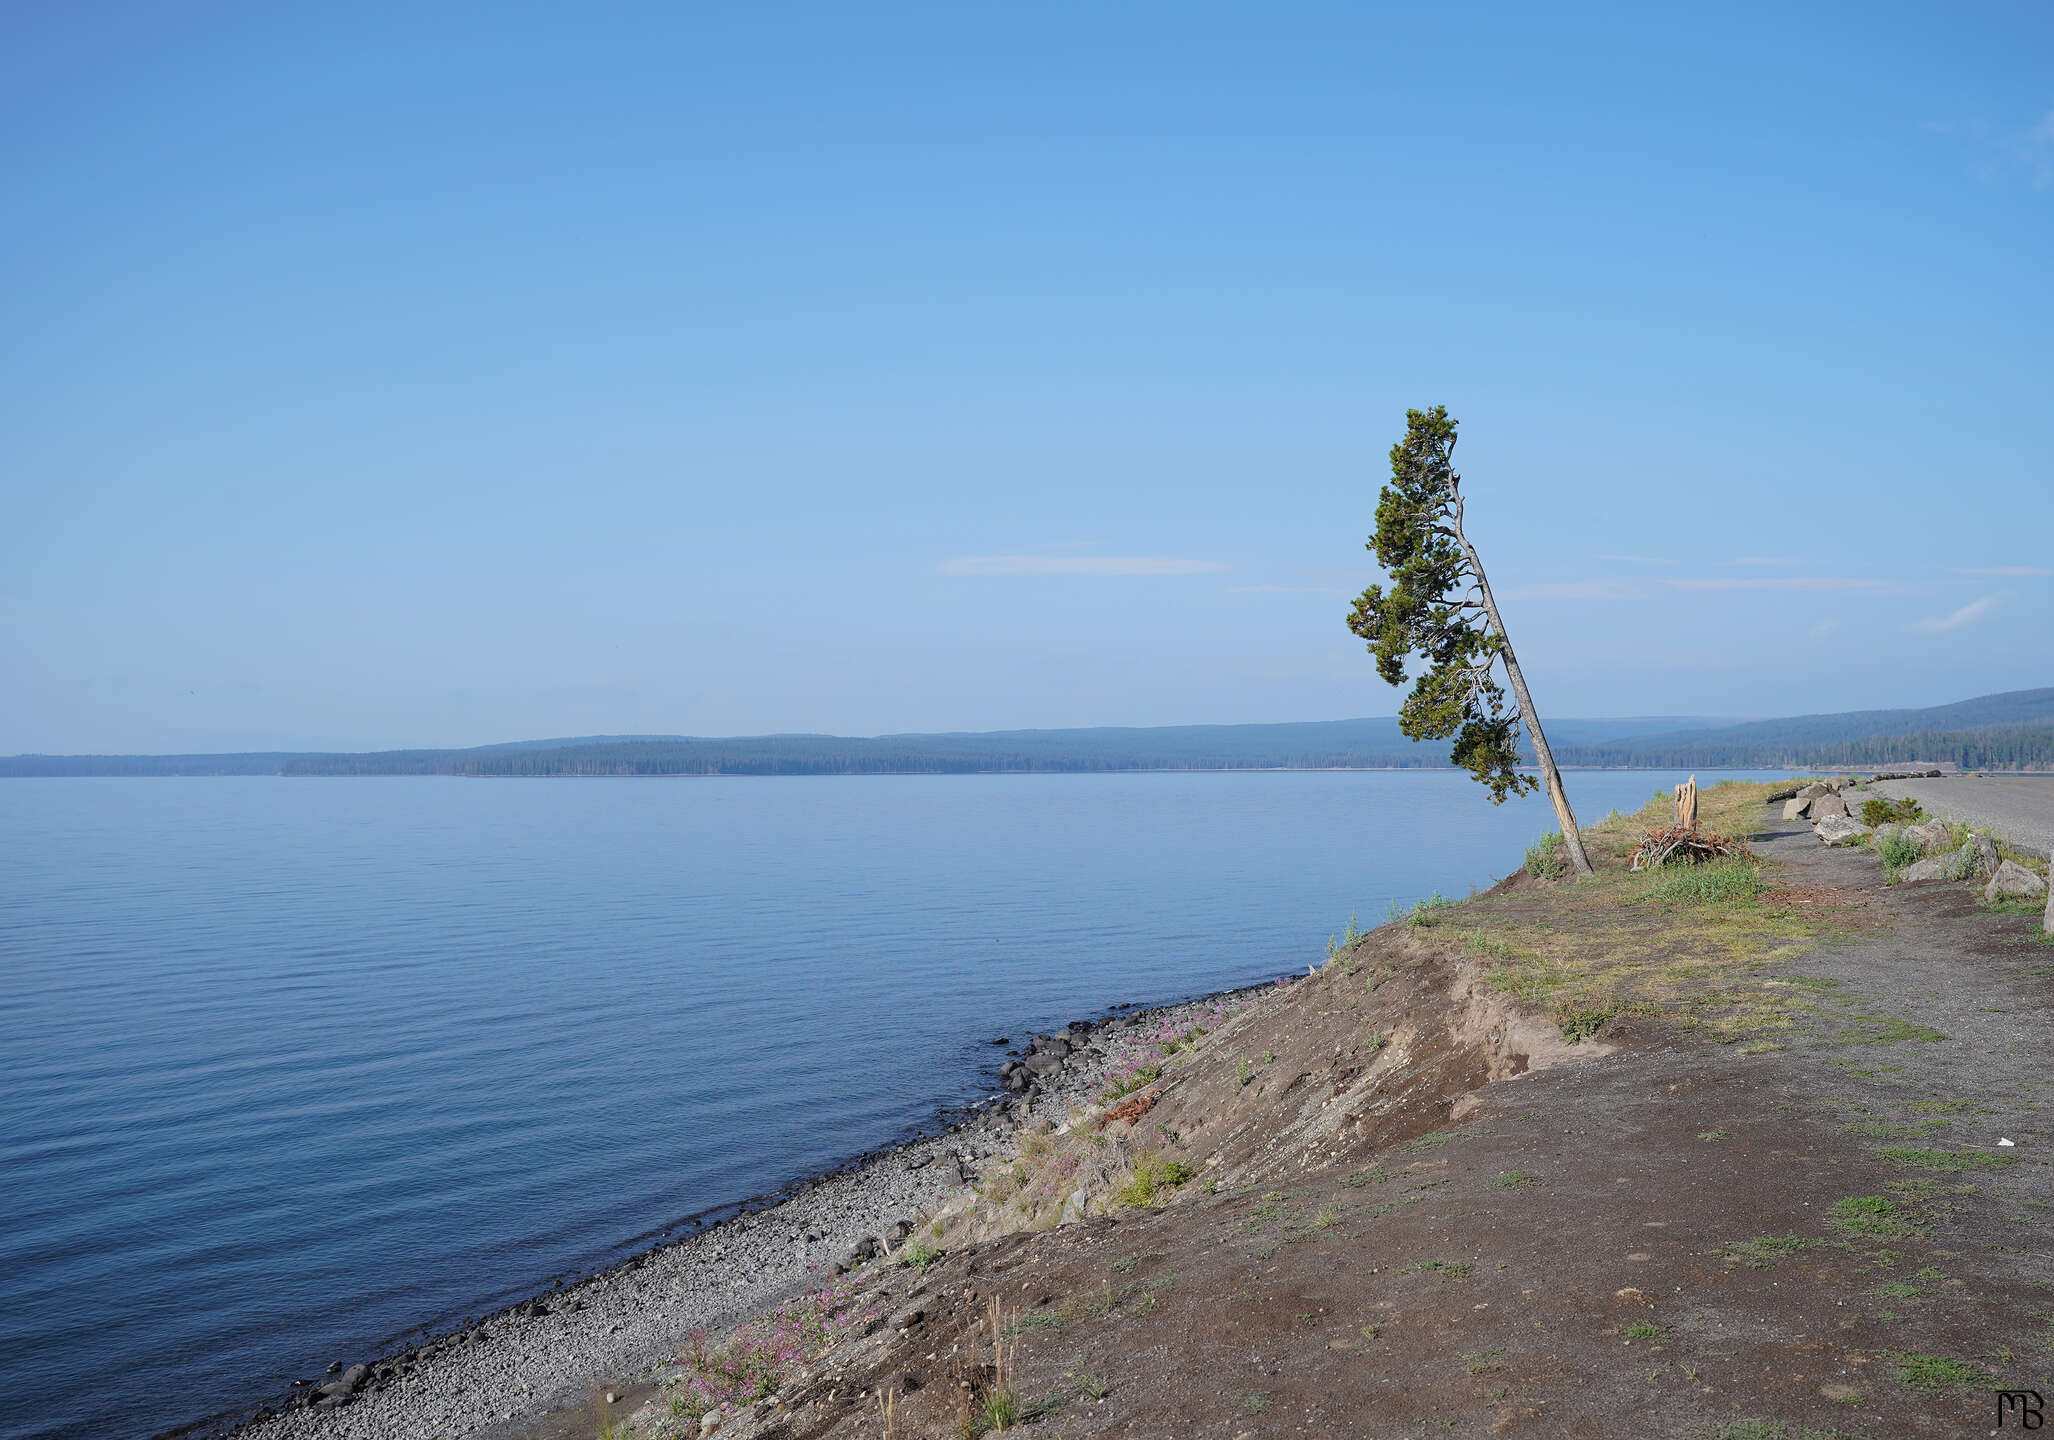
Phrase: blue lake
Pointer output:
(291, 1067)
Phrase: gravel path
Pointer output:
(2014, 808)
(507, 1374)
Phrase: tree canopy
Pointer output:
(1435, 610)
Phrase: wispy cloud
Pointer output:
(1286, 590)
(1572, 590)
(2008, 570)
(1778, 582)
(1640, 559)
(2027, 149)
(1764, 560)
(1824, 628)
(1966, 615)
(2036, 149)
(1077, 565)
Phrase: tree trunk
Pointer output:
(1564, 816)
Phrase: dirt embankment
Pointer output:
(1393, 1198)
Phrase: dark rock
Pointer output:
(1781, 795)
(335, 1367)
(1044, 1064)
(1003, 1040)
(1051, 1045)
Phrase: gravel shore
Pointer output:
(505, 1375)
(2018, 809)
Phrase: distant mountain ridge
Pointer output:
(2011, 730)
(2005, 731)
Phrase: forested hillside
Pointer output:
(1993, 732)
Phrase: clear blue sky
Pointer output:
(439, 375)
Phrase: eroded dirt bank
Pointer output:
(1596, 1161)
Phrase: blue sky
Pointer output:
(374, 376)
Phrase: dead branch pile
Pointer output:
(1682, 845)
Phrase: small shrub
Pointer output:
(1152, 1181)
(1516, 1179)
(921, 1254)
(1337, 943)
(1544, 859)
(1876, 811)
(1897, 851)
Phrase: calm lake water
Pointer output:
(290, 1067)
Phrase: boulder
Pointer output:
(1840, 830)
(1779, 796)
(1051, 1045)
(1929, 871)
(1814, 790)
(1885, 833)
(1043, 1064)
(1828, 804)
(1794, 809)
(2013, 881)
(1931, 837)
(1977, 857)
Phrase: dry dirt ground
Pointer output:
(1415, 1209)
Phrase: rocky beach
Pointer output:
(541, 1365)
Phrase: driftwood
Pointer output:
(1683, 845)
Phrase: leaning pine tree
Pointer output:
(1439, 607)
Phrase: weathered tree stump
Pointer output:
(1686, 804)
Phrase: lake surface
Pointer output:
(291, 1067)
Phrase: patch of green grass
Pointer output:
(1516, 1180)
(1446, 1269)
(1578, 1022)
(1877, 1131)
(1000, 1409)
(1345, 940)
(1434, 1141)
(1643, 1330)
(1713, 1134)
(1947, 1161)
(1544, 858)
(1871, 1217)
(1762, 1252)
(1243, 1071)
(1887, 1030)
(1720, 883)
(1153, 1181)
(1255, 1402)
(1947, 1107)
(1476, 1362)
(921, 1254)
(1936, 1374)
(1125, 1264)
(1374, 1175)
